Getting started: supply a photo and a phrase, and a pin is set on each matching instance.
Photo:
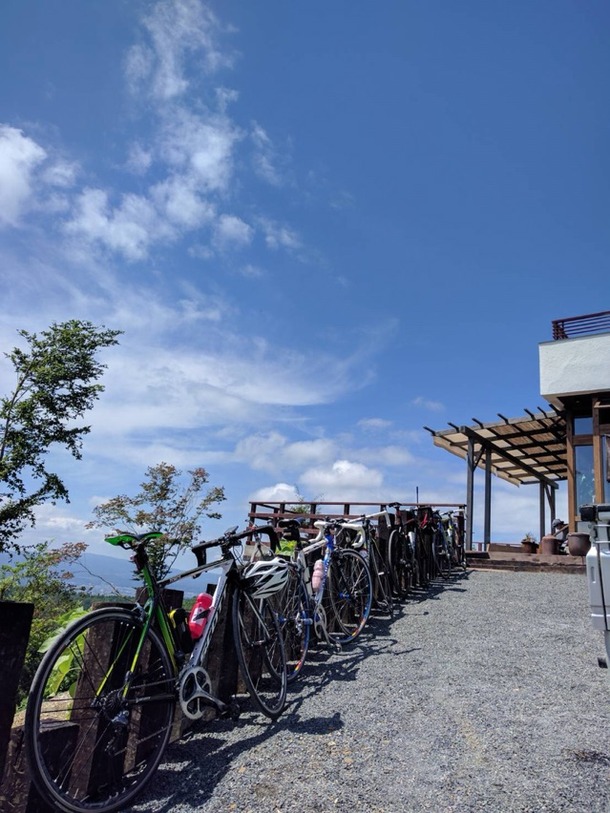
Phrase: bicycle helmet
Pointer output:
(264, 578)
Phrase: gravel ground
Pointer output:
(484, 695)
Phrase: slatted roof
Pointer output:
(529, 449)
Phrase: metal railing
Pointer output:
(581, 325)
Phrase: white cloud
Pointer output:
(374, 424)
(176, 29)
(178, 200)
(232, 232)
(19, 157)
(426, 403)
(342, 479)
(252, 271)
(273, 452)
(264, 158)
(280, 492)
(278, 235)
(128, 228)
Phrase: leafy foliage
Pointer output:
(163, 504)
(56, 384)
(41, 577)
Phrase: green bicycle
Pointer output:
(112, 680)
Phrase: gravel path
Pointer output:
(485, 695)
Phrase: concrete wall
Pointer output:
(574, 366)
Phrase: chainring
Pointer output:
(194, 692)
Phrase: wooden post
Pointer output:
(15, 623)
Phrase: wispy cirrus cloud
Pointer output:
(428, 404)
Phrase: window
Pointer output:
(583, 425)
(584, 480)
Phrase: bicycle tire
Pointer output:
(292, 605)
(442, 556)
(260, 652)
(113, 741)
(382, 582)
(400, 570)
(350, 591)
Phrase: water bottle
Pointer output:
(199, 615)
(316, 576)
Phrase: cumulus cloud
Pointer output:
(280, 492)
(127, 228)
(19, 157)
(342, 478)
(232, 232)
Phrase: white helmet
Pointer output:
(266, 577)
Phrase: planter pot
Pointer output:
(578, 544)
(529, 547)
(549, 544)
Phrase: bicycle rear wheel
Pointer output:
(350, 592)
(109, 728)
(400, 570)
(294, 617)
(260, 652)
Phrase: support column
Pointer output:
(470, 465)
(487, 525)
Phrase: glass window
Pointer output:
(583, 426)
(584, 481)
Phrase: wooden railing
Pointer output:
(271, 512)
(581, 325)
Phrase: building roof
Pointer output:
(529, 449)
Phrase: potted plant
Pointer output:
(529, 543)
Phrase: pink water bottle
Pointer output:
(316, 576)
(199, 615)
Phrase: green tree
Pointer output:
(56, 383)
(41, 576)
(164, 503)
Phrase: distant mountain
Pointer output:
(103, 574)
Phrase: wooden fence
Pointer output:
(17, 793)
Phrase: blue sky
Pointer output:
(321, 226)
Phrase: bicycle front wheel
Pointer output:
(442, 557)
(99, 713)
(260, 652)
(350, 591)
(294, 617)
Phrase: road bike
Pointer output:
(336, 605)
(362, 535)
(455, 540)
(402, 553)
(111, 681)
(442, 551)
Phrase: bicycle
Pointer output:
(402, 556)
(361, 534)
(114, 677)
(441, 546)
(344, 589)
(455, 540)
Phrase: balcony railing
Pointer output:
(581, 325)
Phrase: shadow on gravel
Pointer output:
(207, 753)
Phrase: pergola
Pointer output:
(530, 449)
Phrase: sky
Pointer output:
(321, 226)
